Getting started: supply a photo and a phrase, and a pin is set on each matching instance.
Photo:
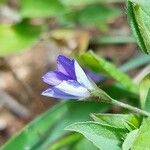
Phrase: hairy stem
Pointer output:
(100, 96)
(129, 107)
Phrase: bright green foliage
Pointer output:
(17, 37)
(99, 64)
(102, 136)
(128, 142)
(49, 127)
(123, 121)
(144, 88)
(142, 140)
(48, 8)
(139, 18)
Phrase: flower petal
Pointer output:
(73, 88)
(66, 66)
(94, 76)
(81, 76)
(54, 78)
(56, 93)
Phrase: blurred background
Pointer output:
(33, 33)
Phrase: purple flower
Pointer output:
(96, 77)
(69, 81)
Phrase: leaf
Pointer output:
(97, 15)
(143, 4)
(124, 121)
(142, 140)
(90, 16)
(49, 127)
(87, 2)
(66, 142)
(134, 62)
(147, 102)
(100, 65)
(17, 37)
(48, 8)
(121, 93)
(79, 2)
(84, 144)
(144, 87)
(128, 142)
(102, 136)
(139, 21)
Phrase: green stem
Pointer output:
(102, 96)
(129, 107)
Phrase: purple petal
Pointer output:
(81, 77)
(56, 93)
(96, 77)
(66, 66)
(54, 78)
(72, 87)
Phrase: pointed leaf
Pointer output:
(144, 88)
(128, 142)
(99, 64)
(102, 136)
(139, 21)
(142, 140)
(49, 127)
(118, 120)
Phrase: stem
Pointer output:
(129, 107)
(101, 96)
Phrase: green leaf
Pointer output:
(144, 88)
(139, 21)
(144, 4)
(84, 144)
(147, 102)
(122, 93)
(66, 141)
(17, 37)
(102, 136)
(49, 127)
(136, 61)
(97, 15)
(128, 142)
(78, 2)
(100, 65)
(142, 140)
(87, 2)
(124, 121)
(48, 8)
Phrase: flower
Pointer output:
(94, 76)
(69, 81)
